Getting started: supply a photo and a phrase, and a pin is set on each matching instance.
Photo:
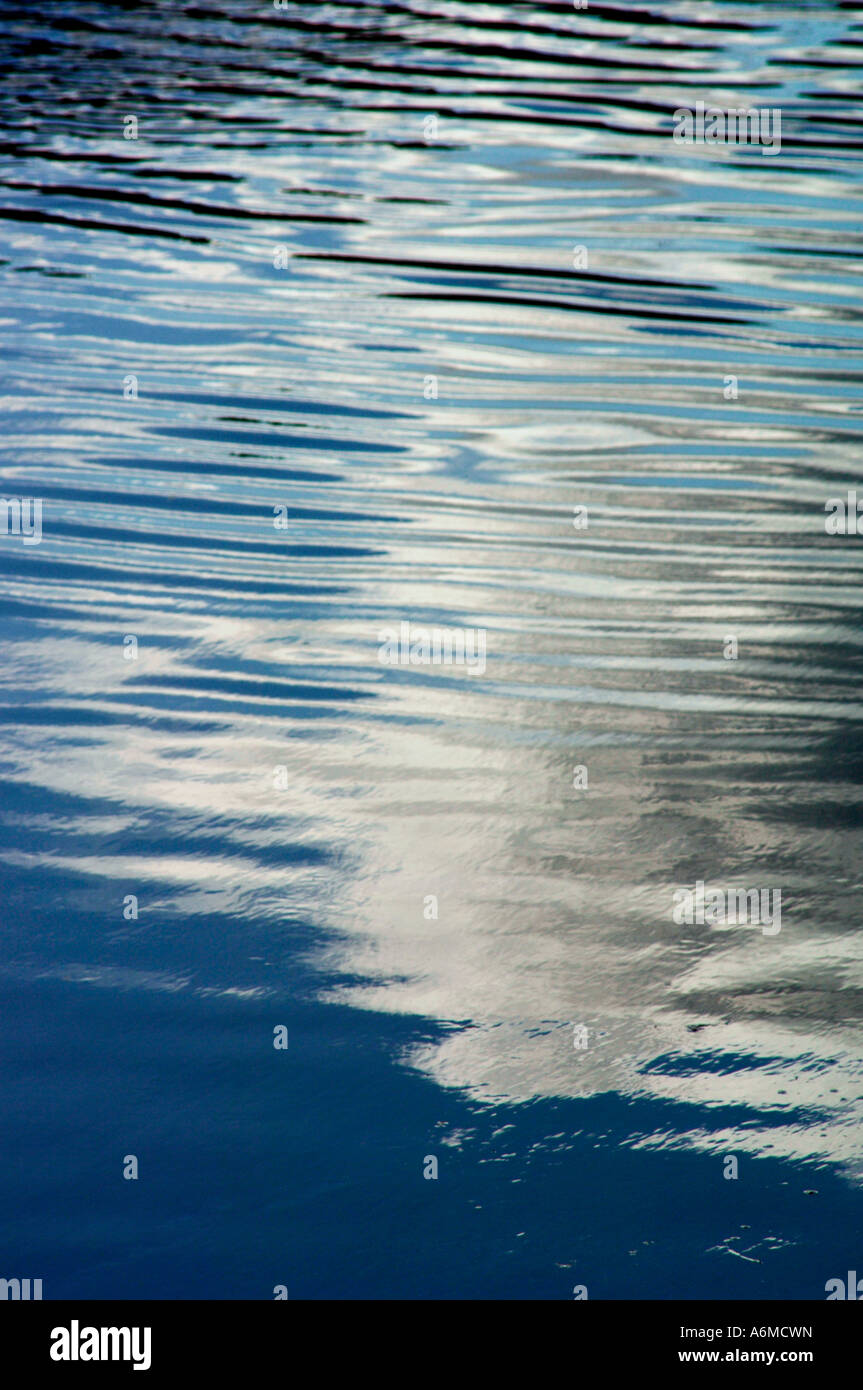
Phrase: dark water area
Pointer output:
(316, 354)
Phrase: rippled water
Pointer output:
(337, 265)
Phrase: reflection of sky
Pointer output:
(554, 905)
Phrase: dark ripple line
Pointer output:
(214, 544)
(119, 576)
(87, 224)
(119, 195)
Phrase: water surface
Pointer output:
(335, 274)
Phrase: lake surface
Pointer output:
(317, 354)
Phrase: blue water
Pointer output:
(333, 280)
